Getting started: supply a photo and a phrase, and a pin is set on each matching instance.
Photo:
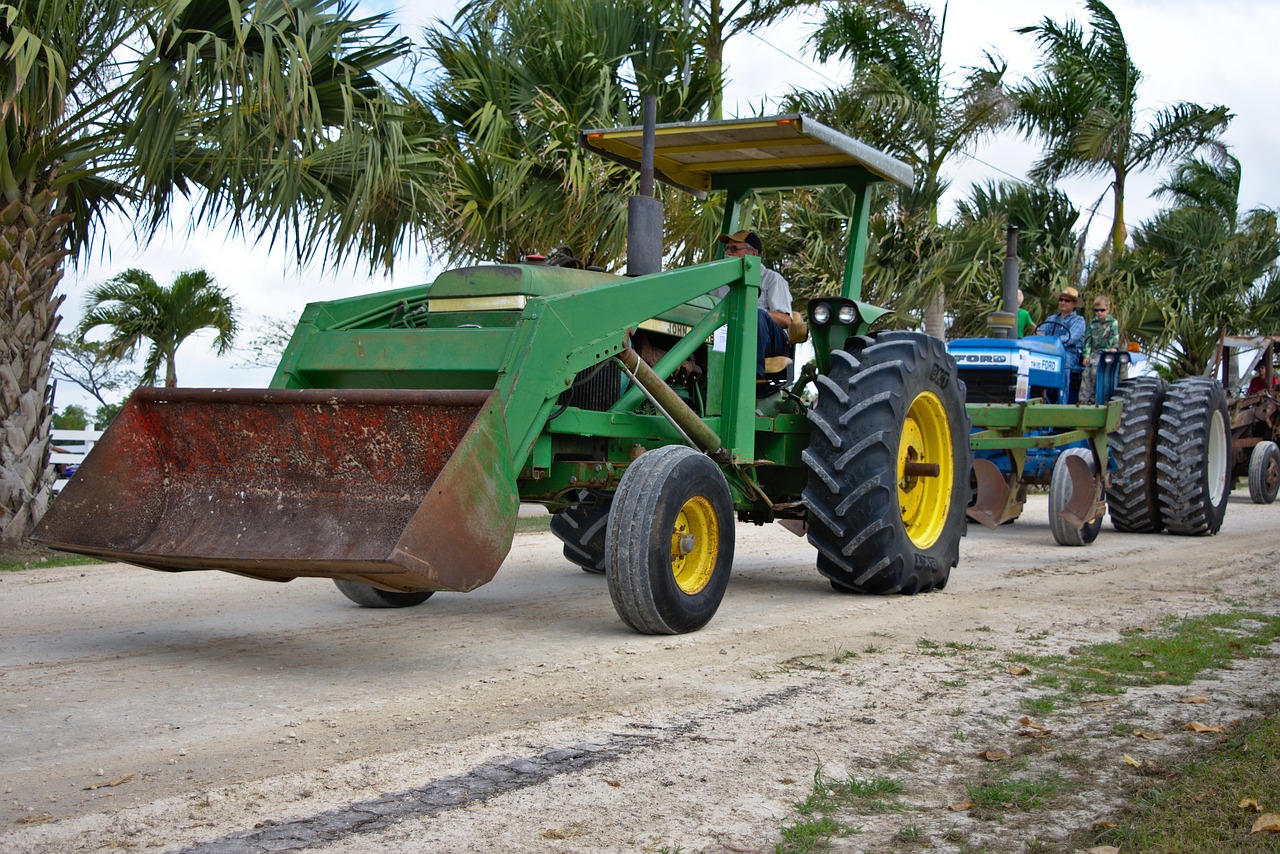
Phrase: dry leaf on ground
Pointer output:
(995, 754)
(1250, 803)
(1033, 729)
(1195, 699)
(961, 806)
(1268, 822)
(1136, 763)
(35, 819)
(116, 782)
(1196, 726)
(1149, 736)
(1018, 670)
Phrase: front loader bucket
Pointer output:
(404, 490)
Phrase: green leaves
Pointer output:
(1083, 104)
(514, 91)
(136, 309)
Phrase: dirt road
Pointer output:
(206, 712)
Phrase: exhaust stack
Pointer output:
(644, 212)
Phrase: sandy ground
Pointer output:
(210, 713)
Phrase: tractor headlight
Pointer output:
(847, 314)
(821, 313)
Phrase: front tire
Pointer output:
(1194, 463)
(371, 597)
(890, 408)
(1060, 493)
(669, 541)
(1132, 497)
(1264, 473)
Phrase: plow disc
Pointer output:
(400, 489)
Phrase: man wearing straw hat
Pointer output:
(1066, 325)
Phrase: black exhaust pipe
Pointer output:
(644, 212)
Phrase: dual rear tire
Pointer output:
(1172, 455)
(1193, 457)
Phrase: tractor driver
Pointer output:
(774, 307)
(1066, 325)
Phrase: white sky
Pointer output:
(1211, 53)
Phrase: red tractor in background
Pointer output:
(1245, 365)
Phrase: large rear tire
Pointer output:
(371, 597)
(669, 541)
(891, 407)
(1060, 492)
(1132, 497)
(1264, 473)
(1194, 464)
(582, 530)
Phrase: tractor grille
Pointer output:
(597, 388)
(989, 386)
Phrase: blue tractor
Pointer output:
(1001, 370)
(1054, 440)
(1156, 454)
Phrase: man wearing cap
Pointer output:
(1066, 325)
(774, 314)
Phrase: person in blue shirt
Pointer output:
(1066, 325)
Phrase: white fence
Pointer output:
(69, 450)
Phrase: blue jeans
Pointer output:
(771, 340)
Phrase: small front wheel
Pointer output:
(669, 541)
(1062, 489)
(371, 597)
(1264, 473)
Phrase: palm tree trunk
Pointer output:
(935, 312)
(935, 316)
(1119, 232)
(31, 255)
(715, 61)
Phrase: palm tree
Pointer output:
(137, 309)
(699, 30)
(513, 91)
(1084, 105)
(1049, 248)
(901, 101)
(716, 23)
(273, 115)
(1203, 267)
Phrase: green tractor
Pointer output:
(403, 429)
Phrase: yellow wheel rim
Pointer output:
(925, 499)
(695, 544)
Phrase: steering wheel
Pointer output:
(1048, 325)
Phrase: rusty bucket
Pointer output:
(401, 489)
